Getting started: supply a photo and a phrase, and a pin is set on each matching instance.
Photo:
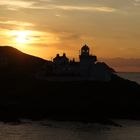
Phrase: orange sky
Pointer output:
(45, 27)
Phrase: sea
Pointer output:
(66, 130)
(55, 130)
(133, 76)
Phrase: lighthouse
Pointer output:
(86, 61)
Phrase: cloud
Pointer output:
(70, 5)
(69, 36)
(18, 23)
(136, 2)
(34, 36)
(16, 4)
(84, 8)
(45, 4)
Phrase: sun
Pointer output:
(22, 37)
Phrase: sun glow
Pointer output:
(21, 37)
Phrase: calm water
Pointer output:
(51, 130)
(134, 76)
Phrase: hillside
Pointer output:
(13, 61)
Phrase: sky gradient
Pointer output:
(45, 27)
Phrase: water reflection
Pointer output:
(52, 130)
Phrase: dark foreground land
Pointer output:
(23, 96)
(79, 101)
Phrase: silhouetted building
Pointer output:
(86, 61)
(61, 59)
(85, 55)
(87, 69)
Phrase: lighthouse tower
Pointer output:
(86, 61)
(85, 50)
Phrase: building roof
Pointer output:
(85, 47)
